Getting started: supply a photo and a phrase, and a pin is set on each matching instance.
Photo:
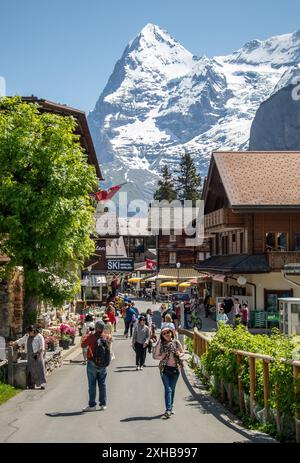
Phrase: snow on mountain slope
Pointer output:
(160, 102)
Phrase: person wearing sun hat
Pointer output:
(170, 352)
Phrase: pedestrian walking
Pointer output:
(140, 341)
(229, 308)
(108, 331)
(222, 317)
(154, 296)
(130, 318)
(98, 360)
(34, 344)
(111, 313)
(149, 315)
(237, 311)
(245, 315)
(170, 353)
(168, 321)
(87, 326)
(153, 338)
(173, 315)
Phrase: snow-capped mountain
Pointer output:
(161, 101)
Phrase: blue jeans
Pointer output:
(95, 375)
(170, 381)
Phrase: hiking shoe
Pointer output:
(103, 407)
(89, 409)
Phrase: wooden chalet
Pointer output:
(252, 215)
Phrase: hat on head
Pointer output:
(99, 326)
(168, 327)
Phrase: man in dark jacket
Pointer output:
(98, 356)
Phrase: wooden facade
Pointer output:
(257, 221)
(174, 248)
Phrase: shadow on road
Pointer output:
(57, 414)
(208, 405)
(141, 418)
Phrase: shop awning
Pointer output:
(185, 284)
(134, 280)
(94, 280)
(168, 283)
(185, 273)
(235, 264)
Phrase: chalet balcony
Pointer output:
(278, 259)
(223, 220)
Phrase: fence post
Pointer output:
(10, 374)
(200, 345)
(278, 413)
(231, 395)
(223, 391)
(266, 388)
(241, 403)
(252, 385)
(296, 374)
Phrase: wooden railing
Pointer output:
(223, 218)
(278, 259)
(201, 346)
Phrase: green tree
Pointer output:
(46, 214)
(165, 190)
(188, 180)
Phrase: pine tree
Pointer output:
(165, 190)
(188, 180)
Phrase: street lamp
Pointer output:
(178, 267)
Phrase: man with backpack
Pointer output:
(130, 319)
(99, 357)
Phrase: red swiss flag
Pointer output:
(151, 264)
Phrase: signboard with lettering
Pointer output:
(120, 265)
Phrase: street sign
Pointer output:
(121, 265)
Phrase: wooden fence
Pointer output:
(201, 346)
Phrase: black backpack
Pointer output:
(101, 357)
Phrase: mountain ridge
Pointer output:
(161, 101)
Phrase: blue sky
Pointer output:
(65, 50)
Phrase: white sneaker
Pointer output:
(89, 409)
(141, 368)
(137, 368)
(103, 407)
(172, 412)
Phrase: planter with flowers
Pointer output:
(51, 342)
(65, 339)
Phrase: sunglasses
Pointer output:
(167, 332)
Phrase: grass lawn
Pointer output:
(7, 392)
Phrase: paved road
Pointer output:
(134, 413)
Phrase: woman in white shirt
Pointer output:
(34, 344)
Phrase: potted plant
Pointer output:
(64, 341)
(72, 332)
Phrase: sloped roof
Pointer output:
(236, 263)
(82, 129)
(260, 178)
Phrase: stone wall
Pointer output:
(12, 305)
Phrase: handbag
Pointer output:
(168, 370)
